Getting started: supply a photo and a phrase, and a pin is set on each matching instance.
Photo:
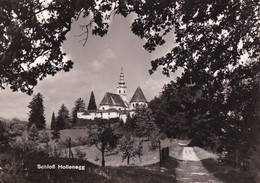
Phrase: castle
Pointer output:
(116, 105)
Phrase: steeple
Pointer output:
(121, 89)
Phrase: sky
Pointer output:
(96, 68)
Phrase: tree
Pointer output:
(4, 135)
(144, 123)
(36, 113)
(92, 103)
(130, 147)
(33, 134)
(63, 119)
(55, 135)
(53, 121)
(206, 32)
(79, 105)
(44, 137)
(103, 137)
(177, 110)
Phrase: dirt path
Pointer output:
(191, 170)
(188, 154)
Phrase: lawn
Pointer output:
(21, 167)
(93, 155)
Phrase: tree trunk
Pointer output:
(103, 158)
(128, 159)
(160, 153)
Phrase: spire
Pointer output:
(122, 78)
(121, 89)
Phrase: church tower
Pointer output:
(121, 89)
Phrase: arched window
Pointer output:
(119, 91)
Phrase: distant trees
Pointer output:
(63, 119)
(92, 103)
(79, 105)
(36, 113)
(103, 137)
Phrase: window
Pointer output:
(103, 108)
(119, 91)
(124, 91)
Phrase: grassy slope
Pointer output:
(20, 167)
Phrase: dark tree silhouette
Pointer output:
(4, 134)
(92, 103)
(211, 35)
(63, 119)
(36, 113)
(79, 105)
(53, 121)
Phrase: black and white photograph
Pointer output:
(129, 91)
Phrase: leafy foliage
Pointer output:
(175, 109)
(144, 123)
(4, 135)
(36, 113)
(43, 137)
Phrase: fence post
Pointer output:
(160, 153)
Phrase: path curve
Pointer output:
(188, 154)
(191, 169)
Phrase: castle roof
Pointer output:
(112, 99)
(138, 96)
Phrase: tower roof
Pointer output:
(121, 78)
(138, 96)
(112, 99)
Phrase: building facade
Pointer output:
(116, 105)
